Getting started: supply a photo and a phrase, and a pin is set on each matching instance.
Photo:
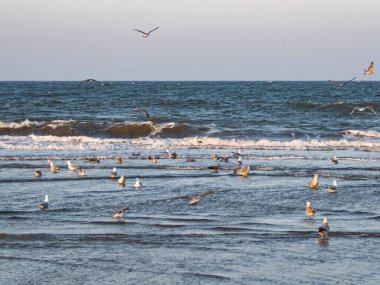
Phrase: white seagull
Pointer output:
(361, 109)
(145, 35)
(114, 173)
(324, 229)
(122, 180)
(334, 188)
(45, 204)
(138, 183)
(309, 211)
(71, 166)
(53, 168)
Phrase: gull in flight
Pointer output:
(90, 80)
(341, 84)
(45, 204)
(361, 109)
(324, 229)
(369, 71)
(309, 211)
(314, 182)
(194, 199)
(145, 35)
(334, 188)
(120, 213)
(143, 111)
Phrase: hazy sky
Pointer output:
(197, 39)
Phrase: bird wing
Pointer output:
(152, 30)
(370, 68)
(142, 110)
(200, 196)
(141, 32)
(334, 82)
(348, 81)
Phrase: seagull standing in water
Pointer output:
(369, 71)
(195, 199)
(314, 182)
(309, 211)
(44, 205)
(120, 213)
(121, 180)
(361, 109)
(138, 184)
(71, 166)
(334, 188)
(324, 229)
(53, 168)
(243, 171)
(334, 160)
(114, 173)
(146, 35)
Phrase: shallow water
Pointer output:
(250, 231)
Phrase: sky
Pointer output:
(196, 39)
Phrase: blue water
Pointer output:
(251, 230)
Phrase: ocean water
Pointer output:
(250, 230)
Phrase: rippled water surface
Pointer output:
(250, 230)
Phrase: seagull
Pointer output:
(71, 166)
(223, 159)
(214, 157)
(171, 154)
(237, 154)
(119, 160)
(138, 183)
(239, 162)
(334, 188)
(45, 204)
(89, 80)
(309, 211)
(243, 171)
(49, 162)
(120, 213)
(91, 159)
(195, 199)
(38, 173)
(334, 160)
(146, 34)
(114, 173)
(214, 168)
(53, 168)
(341, 84)
(143, 111)
(121, 180)
(314, 182)
(154, 160)
(361, 109)
(81, 172)
(369, 71)
(324, 229)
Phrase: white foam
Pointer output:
(369, 134)
(24, 124)
(50, 142)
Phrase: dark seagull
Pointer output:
(341, 84)
(90, 80)
(194, 199)
(145, 35)
(120, 213)
(143, 111)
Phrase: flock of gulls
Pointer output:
(119, 214)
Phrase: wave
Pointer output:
(358, 133)
(100, 129)
(50, 142)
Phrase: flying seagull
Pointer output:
(146, 34)
(89, 80)
(194, 199)
(369, 71)
(361, 109)
(142, 110)
(341, 84)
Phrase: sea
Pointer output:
(246, 230)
